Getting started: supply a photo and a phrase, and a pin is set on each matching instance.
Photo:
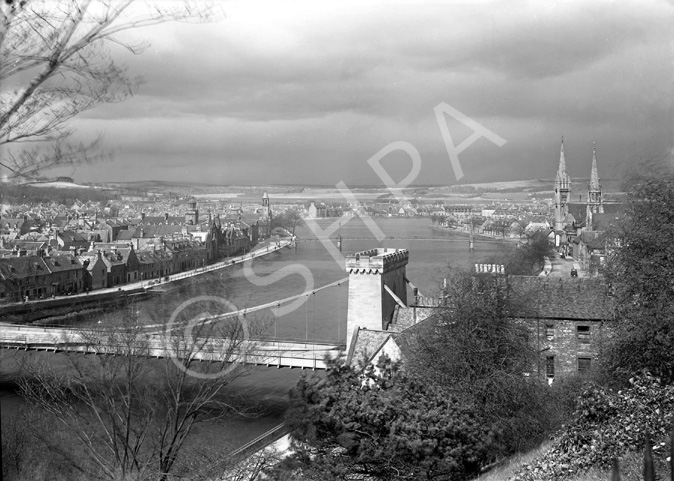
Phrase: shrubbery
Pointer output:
(479, 351)
(640, 271)
(384, 422)
(607, 424)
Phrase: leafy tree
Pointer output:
(528, 259)
(477, 348)
(640, 271)
(288, 220)
(383, 422)
(61, 47)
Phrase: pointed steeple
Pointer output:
(594, 193)
(562, 191)
(594, 177)
(561, 171)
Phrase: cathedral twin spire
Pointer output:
(563, 190)
(563, 178)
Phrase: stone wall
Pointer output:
(565, 346)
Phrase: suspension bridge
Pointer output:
(372, 239)
(376, 289)
(169, 340)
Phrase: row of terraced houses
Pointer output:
(47, 259)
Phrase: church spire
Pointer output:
(594, 194)
(594, 177)
(562, 191)
(561, 171)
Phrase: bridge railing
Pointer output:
(277, 353)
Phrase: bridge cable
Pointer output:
(306, 319)
(339, 320)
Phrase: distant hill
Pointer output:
(58, 185)
(578, 186)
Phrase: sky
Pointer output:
(285, 92)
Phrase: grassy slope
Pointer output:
(631, 467)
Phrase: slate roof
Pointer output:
(159, 220)
(116, 223)
(22, 267)
(408, 340)
(27, 266)
(125, 235)
(64, 262)
(146, 257)
(403, 318)
(150, 231)
(70, 236)
(28, 245)
(366, 344)
(578, 211)
(563, 298)
(88, 260)
(605, 220)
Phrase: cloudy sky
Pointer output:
(306, 92)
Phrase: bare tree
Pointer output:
(57, 52)
(132, 414)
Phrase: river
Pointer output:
(322, 317)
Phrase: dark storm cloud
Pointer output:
(276, 88)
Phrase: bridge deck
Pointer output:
(304, 355)
(433, 239)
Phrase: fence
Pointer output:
(649, 466)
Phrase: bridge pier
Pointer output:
(376, 285)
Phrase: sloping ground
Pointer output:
(605, 426)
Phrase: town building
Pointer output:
(566, 317)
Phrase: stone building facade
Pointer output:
(568, 318)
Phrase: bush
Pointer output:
(384, 422)
(640, 270)
(479, 351)
(607, 424)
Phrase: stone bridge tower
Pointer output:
(376, 285)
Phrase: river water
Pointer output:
(323, 316)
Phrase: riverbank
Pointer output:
(475, 234)
(43, 308)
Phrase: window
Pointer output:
(549, 332)
(583, 334)
(584, 364)
(550, 366)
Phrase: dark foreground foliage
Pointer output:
(384, 423)
(607, 425)
(640, 271)
(479, 349)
